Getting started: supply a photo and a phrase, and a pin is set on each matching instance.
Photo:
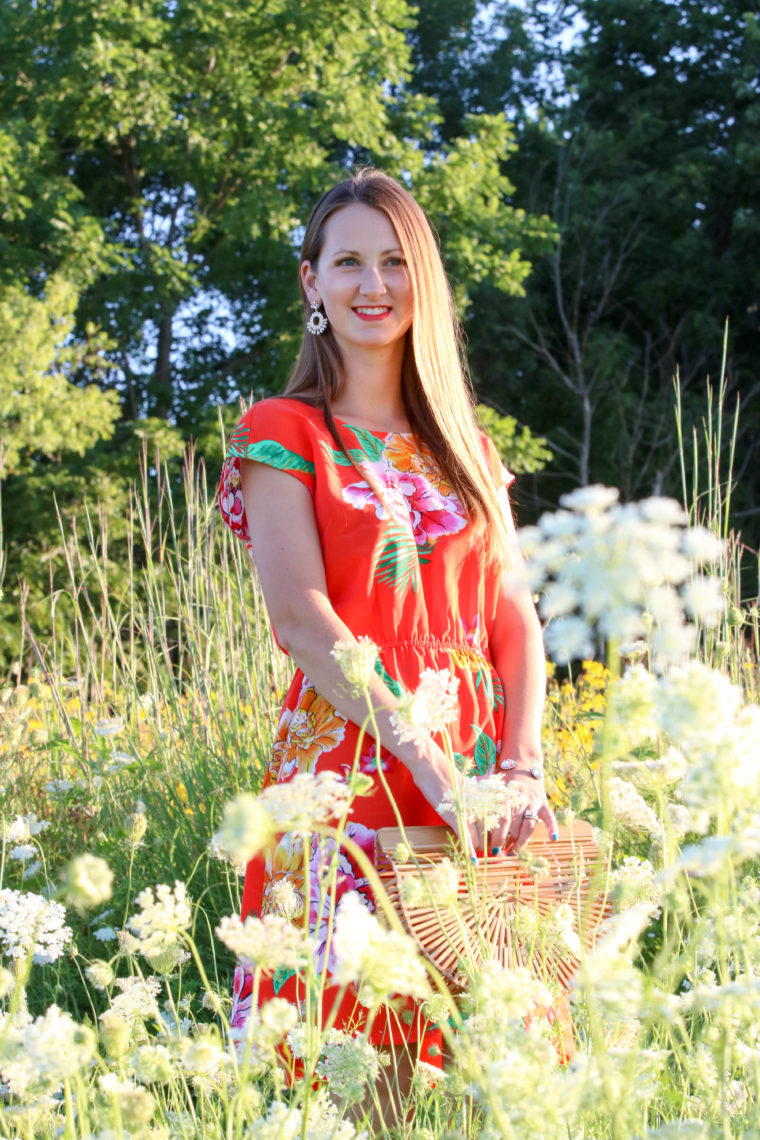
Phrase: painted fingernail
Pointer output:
(473, 859)
(555, 835)
(494, 850)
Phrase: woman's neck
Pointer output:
(371, 392)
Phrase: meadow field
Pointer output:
(128, 756)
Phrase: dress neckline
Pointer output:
(372, 431)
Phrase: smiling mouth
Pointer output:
(372, 312)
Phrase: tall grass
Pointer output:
(154, 703)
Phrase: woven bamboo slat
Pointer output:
(504, 905)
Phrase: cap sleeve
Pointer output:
(499, 473)
(273, 432)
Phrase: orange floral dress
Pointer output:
(407, 572)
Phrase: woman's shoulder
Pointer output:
(281, 411)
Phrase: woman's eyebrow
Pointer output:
(356, 253)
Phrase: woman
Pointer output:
(372, 505)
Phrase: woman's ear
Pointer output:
(309, 281)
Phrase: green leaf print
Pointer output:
(400, 559)
(281, 975)
(272, 453)
(485, 753)
(498, 693)
(394, 686)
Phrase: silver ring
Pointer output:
(529, 814)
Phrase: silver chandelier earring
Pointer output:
(317, 322)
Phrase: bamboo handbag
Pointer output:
(537, 909)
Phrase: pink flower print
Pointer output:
(368, 760)
(328, 884)
(242, 997)
(472, 631)
(411, 500)
(231, 497)
(432, 514)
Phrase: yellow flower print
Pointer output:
(314, 727)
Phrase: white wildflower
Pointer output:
(58, 787)
(105, 934)
(163, 918)
(704, 600)
(306, 800)
(694, 705)
(357, 661)
(137, 1000)
(87, 882)
(285, 899)
(31, 923)
(348, 1064)
(630, 808)
(17, 831)
(430, 709)
(569, 639)
(630, 719)
(152, 1064)
(273, 1021)
(100, 974)
(38, 1057)
(384, 962)
(109, 726)
(217, 851)
(202, 1056)
(23, 852)
(31, 869)
(601, 567)
(438, 886)
(590, 499)
(266, 942)
(702, 545)
(246, 828)
(504, 994)
(634, 882)
(486, 800)
(280, 1123)
(135, 825)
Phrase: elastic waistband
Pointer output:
(443, 645)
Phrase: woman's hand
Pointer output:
(512, 834)
(431, 772)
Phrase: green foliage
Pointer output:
(198, 135)
(521, 451)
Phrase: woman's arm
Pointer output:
(517, 652)
(288, 556)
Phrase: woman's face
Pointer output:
(361, 279)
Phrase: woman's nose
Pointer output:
(372, 280)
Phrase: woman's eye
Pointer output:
(347, 261)
(394, 262)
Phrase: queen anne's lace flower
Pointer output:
(29, 922)
(348, 1064)
(163, 918)
(487, 800)
(430, 709)
(246, 828)
(630, 808)
(306, 800)
(266, 942)
(606, 569)
(87, 881)
(137, 1000)
(383, 962)
(357, 661)
(38, 1057)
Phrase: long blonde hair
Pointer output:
(436, 389)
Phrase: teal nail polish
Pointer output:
(473, 859)
(494, 850)
(555, 835)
